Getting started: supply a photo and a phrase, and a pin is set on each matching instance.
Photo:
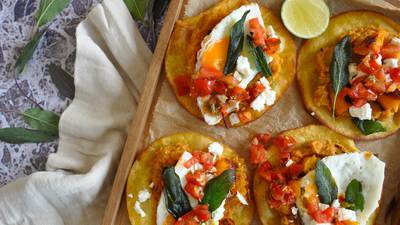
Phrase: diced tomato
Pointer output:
(204, 158)
(283, 141)
(264, 169)
(239, 94)
(376, 86)
(273, 175)
(257, 32)
(281, 195)
(197, 178)
(194, 190)
(380, 75)
(229, 80)
(296, 169)
(390, 51)
(255, 89)
(369, 64)
(359, 91)
(210, 73)
(359, 102)
(183, 84)
(263, 139)
(325, 216)
(190, 162)
(244, 116)
(395, 74)
(284, 155)
(187, 220)
(202, 87)
(272, 45)
(257, 154)
(220, 87)
(202, 213)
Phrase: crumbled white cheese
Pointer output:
(395, 41)
(218, 214)
(323, 206)
(336, 203)
(237, 76)
(388, 77)
(265, 83)
(378, 60)
(234, 119)
(271, 32)
(271, 97)
(216, 148)
(241, 198)
(233, 106)
(266, 97)
(243, 66)
(312, 113)
(162, 212)
(139, 209)
(180, 169)
(294, 210)
(347, 214)
(289, 163)
(144, 195)
(391, 63)
(130, 195)
(363, 113)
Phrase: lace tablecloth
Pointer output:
(58, 47)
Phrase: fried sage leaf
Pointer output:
(42, 120)
(176, 200)
(327, 188)
(354, 195)
(217, 189)
(339, 67)
(27, 52)
(260, 58)
(22, 135)
(48, 9)
(368, 127)
(235, 44)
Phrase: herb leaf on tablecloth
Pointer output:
(48, 9)
(63, 81)
(27, 52)
(22, 135)
(137, 8)
(42, 120)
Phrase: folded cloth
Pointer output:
(111, 63)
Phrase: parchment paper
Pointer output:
(169, 117)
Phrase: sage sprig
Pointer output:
(260, 58)
(327, 188)
(354, 197)
(235, 46)
(368, 127)
(217, 189)
(339, 67)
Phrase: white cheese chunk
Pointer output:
(180, 169)
(247, 71)
(294, 210)
(395, 41)
(289, 163)
(162, 211)
(347, 214)
(363, 113)
(237, 76)
(216, 148)
(323, 206)
(378, 60)
(234, 118)
(241, 198)
(336, 203)
(271, 32)
(218, 214)
(267, 97)
(139, 209)
(391, 63)
(144, 195)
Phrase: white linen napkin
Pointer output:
(111, 63)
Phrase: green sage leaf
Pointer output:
(327, 189)
(27, 52)
(368, 127)
(235, 44)
(176, 200)
(42, 120)
(23, 135)
(260, 59)
(354, 195)
(48, 9)
(217, 189)
(137, 8)
(63, 81)
(339, 67)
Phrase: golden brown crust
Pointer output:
(307, 71)
(188, 34)
(155, 156)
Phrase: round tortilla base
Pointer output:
(176, 62)
(307, 75)
(141, 173)
(302, 135)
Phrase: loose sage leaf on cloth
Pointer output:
(217, 189)
(235, 44)
(137, 8)
(339, 68)
(48, 9)
(27, 52)
(327, 188)
(368, 127)
(63, 81)
(354, 195)
(177, 202)
(23, 135)
(260, 59)
(42, 120)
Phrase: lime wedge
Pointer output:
(305, 18)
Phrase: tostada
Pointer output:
(230, 63)
(312, 175)
(188, 178)
(350, 76)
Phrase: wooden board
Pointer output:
(116, 212)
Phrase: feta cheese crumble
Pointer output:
(289, 163)
(139, 209)
(391, 63)
(144, 195)
(346, 214)
(241, 198)
(234, 119)
(216, 148)
(363, 113)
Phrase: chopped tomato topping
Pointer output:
(283, 141)
(376, 86)
(257, 32)
(359, 91)
(257, 154)
(183, 84)
(296, 169)
(272, 45)
(199, 213)
(239, 94)
(255, 89)
(229, 80)
(220, 87)
(190, 162)
(244, 116)
(369, 64)
(390, 51)
(281, 195)
(267, 173)
(202, 213)
(197, 178)
(202, 87)
(261, 139)
(194, 190)
(210, 73)
(395, 74)
(321, 216)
